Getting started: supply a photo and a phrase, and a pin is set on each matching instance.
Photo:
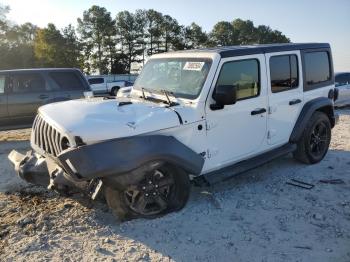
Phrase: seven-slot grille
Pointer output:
(46, 137)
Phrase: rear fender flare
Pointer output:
(318, 104)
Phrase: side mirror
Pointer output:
(224, 95)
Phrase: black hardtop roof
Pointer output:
(228, 51)
(39, 69)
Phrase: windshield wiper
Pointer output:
(167, 93)
(164, 92)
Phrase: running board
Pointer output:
(245, 165)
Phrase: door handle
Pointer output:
(258, 111)
(43, 96)
(294, 102)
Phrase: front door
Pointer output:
(285, 95)
(238, 131)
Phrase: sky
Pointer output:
(300, 20)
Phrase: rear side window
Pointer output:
(284, 73)
(28, 82)
(317, 68)
(2, 84)
(93, 81)
(67, 80)
(244, 74)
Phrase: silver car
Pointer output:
(342, 82)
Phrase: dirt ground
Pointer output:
(252, 217)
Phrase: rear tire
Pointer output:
(161, 190)
(114, 91)
(315, 140)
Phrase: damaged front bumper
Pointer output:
(39, 170)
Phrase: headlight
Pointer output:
(65, 143)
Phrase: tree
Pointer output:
(265, 35)
(223, 34)
(130, 32)
(16, 43)
(246, 32)
(195, 37)
(241, 32)
(171, 31)
(3, 21)
(48, 47)
(154, 21)
(96, 30)
(55, 49)
(71, 52)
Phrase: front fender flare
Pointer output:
(120, 156)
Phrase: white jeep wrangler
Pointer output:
(208, 113)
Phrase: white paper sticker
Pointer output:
(194, 66)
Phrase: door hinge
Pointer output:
(271, 109)
(271, 133)
(210, 125)
(212, 153)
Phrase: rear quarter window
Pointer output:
(318, 69)
(67, 80)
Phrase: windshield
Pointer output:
(184, 77)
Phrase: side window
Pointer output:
(284, 73)
(93, 81)
(317, 68)
(67, 80)
(28, 82)
(244, 74)
(2, 84)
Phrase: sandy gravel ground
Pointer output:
(252, 217)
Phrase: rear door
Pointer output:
(98, 85)
(285, 94)
(3, 96)
(27, 92)
(342, 82)
(69, 84)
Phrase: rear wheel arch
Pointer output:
(321, 104)
(114, 90)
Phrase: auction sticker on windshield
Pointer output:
(194, 66)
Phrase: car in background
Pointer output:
(100, 85)
(342, 83)
(23, 91)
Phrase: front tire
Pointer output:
(314, 143)
(114, 91)
(162, 189)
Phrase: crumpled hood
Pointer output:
(97, 119)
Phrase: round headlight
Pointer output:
(65, 143)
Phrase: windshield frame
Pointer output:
(157, 91)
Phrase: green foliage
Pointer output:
(55, 49)
(130, 35)
(101, 44)
(241, 32)
(97, 30)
